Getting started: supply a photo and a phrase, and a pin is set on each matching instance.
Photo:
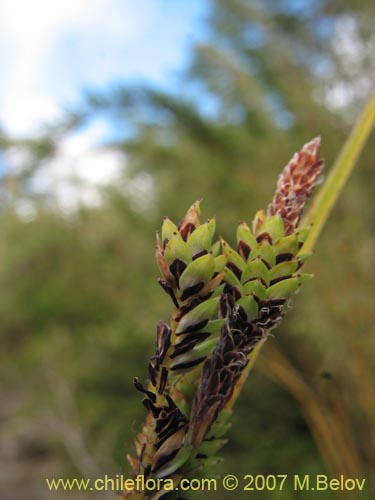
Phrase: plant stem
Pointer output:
(325, 199)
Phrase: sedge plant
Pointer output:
(226, 301)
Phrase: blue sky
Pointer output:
(53, 50)
(50, 50)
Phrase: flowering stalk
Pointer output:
(225, 303)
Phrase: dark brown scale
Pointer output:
(241, 312)
(188, 364)
(163, 340)
(256, 278)
(177, 268)
(151, 407)
(236, 270)
(234, 292)
(147, 470)
(168, 289)
(171, 404)
(268, 266)
(151, 373)
(284, 257)
(226, 303)
(189, 306)
(244, 250)
(163, 379)
(167, 433)
(165, 243)
(222, 370)
(200, 254)
(192, 290)
(277, 280)
(172, 425)
(164, 421)
(275, 302)
(194, 328)
(141, 458)
(191, 337)
(264, 236)
(188, 344)
(186, 230)
(165, 459)
(140, 388)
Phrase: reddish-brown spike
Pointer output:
(295, 185)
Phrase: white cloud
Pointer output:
(79, 169)
(352, 79)
(51, 49)
(31, 29)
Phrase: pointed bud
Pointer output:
(288, 244)
(177, 249)
(171, 455)
(220, 263)
(258, 220)
(232, 279)
(191, 221)
(303, 257)
(201, 238)
(195, 356)
(244, 234)
(283, 289)
(215, 249)
(168, 229)
(274, 226)
(232, 256)
(284, 269)
(200, 270)
(203, 312)
(255, 287)
(162, 263)
(303, 277)
(265, 251)
(256, 269)
(302, 234)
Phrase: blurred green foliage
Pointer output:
(79, 299)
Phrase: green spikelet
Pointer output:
(225, 303)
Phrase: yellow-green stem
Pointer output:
(325, 199)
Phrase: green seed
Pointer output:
(201, 238)
(284, 269)
(256, 288)
(200, 270)
(205, 311)
(256, 269)
(244, 234)
(288, 244)
(177, 249)
(283, 289)
(168, 229)
(265, 251)
(274, 226)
